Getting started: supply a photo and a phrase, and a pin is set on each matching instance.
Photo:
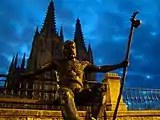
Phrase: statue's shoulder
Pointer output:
(85, 63)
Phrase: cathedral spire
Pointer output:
(78, 36)
(61, 34)
(49, 25)
(89, 47)
(23, 61)
(79, 41)
(16, 61)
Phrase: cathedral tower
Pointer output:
(47, 44)
(79, 40)
(82, 53)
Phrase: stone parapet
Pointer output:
(26, 114)
(112, 81)
(135, 115)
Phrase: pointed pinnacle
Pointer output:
(16, 60)
(49, 24)
(51, 2)
(61, 32)
(89, 47)
(12, 60)
(23, 61)
(78, 20)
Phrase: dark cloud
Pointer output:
(113, 32)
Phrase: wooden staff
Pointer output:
(135, 24)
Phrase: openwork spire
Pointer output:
(49, 25)
(78, 36)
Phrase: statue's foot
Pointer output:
(92, 118)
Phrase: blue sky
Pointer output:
(105, 25)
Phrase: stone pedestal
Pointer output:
(112, 81)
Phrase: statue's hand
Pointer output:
(125, 63)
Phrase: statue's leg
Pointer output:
(68, 107)
(99, 102)
(98, 110)
(95, 96)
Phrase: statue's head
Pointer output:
(69, 49)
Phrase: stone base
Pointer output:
(26, 114)
(111, 107)
(122, 107)
(135, 115)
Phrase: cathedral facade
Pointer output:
(47, 44)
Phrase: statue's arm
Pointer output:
(105, 68)
(47, 67)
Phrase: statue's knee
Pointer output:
(66, 96)
(104, 88)
(104, 99)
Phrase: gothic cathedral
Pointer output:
(47, 44)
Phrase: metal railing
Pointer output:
(141, 99)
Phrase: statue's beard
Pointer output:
(70, 56)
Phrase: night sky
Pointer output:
(105, 25)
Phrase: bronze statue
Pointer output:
(71, 73)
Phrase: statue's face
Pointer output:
(69, 50)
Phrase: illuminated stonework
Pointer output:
(112, 80)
